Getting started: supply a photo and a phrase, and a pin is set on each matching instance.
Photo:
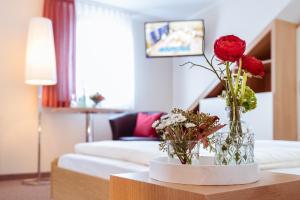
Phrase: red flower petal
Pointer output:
(229, 48)
(253, 66)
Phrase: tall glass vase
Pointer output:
(235, 142)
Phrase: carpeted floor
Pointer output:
(14, 190)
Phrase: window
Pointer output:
(104, 51)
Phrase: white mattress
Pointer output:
(104, 158)
(140, 152)
(99, 167)
(104, 167)
(295, 171)
(269, 154)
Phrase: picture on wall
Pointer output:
(174, 38)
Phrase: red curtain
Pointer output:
(62, 14)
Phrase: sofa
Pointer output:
(123, 126)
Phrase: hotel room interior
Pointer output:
(87, 84)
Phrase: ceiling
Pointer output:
(164, 9)
(291, 12)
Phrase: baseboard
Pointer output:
(8, 177)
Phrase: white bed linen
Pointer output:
(99, 167)
(276, 154)
(140, 152)
(295, 171)
(104, 167)
(269, 154)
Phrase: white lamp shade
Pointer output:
(40, 55)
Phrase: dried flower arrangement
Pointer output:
(184, 129)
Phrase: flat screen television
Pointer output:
(174, 38)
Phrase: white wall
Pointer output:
(243, 18)
(153, 76)
(18, 119)
(17, 116)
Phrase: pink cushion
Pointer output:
(143, 127)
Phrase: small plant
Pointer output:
(97, 98)
(184, 129)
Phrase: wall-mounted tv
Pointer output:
(174, 38)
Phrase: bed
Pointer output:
(85, 173)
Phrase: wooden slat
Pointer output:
(284, 80)
(69, 185)
(138, 186)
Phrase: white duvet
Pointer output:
(269, 154)
(140, 152)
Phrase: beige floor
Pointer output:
(14, 190)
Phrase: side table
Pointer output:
(138, 186)
(89, 135)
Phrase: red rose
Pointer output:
(253, 66)
(229, 48)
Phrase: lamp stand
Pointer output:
(39, 180)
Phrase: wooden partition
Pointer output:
(284, 80)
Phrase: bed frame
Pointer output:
(69, 185)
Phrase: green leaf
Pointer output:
(249, 100)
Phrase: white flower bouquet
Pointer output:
(183, 130)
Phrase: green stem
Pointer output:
(232, 94)
(244, 85)
(238, 77)
(182, 152)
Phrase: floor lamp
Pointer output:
(40, 71)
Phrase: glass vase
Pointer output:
(95, 104)
(187, 152)
(234, 144)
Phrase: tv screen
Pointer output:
(174, 38)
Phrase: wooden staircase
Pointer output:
(276, 47)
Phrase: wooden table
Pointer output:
(89, 135)
(138, 186)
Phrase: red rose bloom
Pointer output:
(253, 66)
(229, 48)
